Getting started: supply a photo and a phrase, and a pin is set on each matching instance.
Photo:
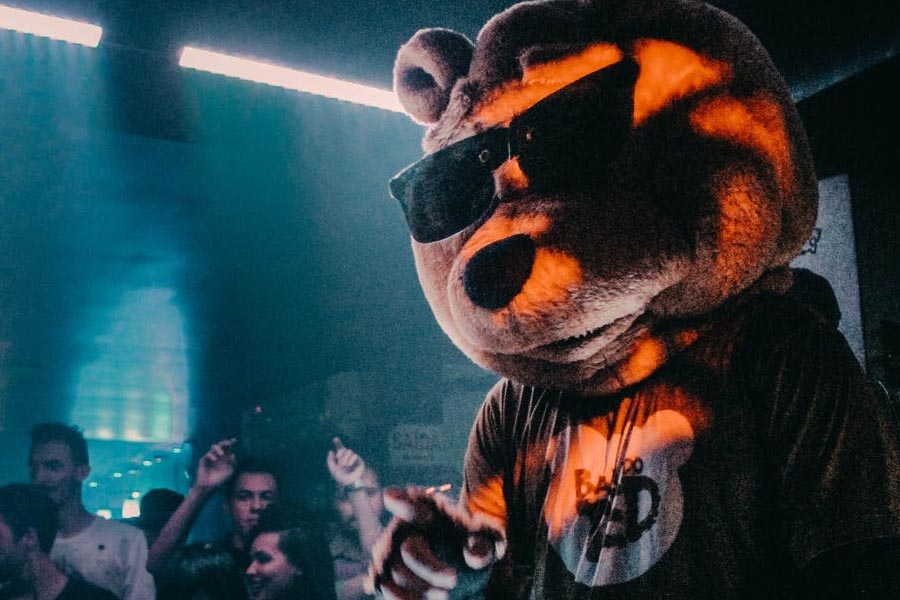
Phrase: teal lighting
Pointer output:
(140, 368)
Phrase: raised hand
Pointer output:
(345, 466)
(432, 549)
(213, 469)
(216, 466)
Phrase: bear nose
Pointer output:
(497, 272)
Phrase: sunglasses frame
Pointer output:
(561, 124)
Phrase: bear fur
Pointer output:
(646, 292)
(714, 189)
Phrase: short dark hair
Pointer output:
(202, 571)
(24, 506)
(303, 542)
(252, 464)
(70, 435)
(157, 505)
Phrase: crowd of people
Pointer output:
(53, 548)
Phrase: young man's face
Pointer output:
(50, 467)
(253, 492)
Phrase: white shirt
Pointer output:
(108, 554)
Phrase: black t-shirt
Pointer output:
(78, 589)
(241, 556)
(719, 476)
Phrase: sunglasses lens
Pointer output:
(568, 139)
(447, 191)
(571, 137)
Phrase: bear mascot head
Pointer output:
(595, 170)
(611, 194)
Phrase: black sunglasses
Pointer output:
(563, 140)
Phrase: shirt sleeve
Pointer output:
(139, 583)
(483, 477)
(831, 438)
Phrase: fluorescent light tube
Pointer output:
(51, 27)
(251, 70)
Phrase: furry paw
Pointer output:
(433, 549)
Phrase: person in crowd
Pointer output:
(201, 571)
(157, 506)
(109, 554)
(359, 503)
(28, 525)
(289, 557)
(250, 486)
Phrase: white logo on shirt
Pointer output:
(615, 503)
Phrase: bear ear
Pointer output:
(426, 68)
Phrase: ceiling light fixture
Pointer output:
(261, 72)
(56, 28)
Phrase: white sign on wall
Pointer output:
(831, 252)
(415, 445)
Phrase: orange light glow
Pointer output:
(552, 279)
(669, 72)
(500, 227)
(539, 81)
(553, 274)
(686, 338)
(510, 177)
(757, 123)
(649, 354)
(488, 499)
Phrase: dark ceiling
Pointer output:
(814, 42)
(139, 272)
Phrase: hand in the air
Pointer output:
(216, 466)
(345, 466)
(432, 549)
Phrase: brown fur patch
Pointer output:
(757, 123)
(553, 277)
(539, 81)
(510, 177)
(669, 72)
(500, 227)
(647, 356)
(745, 233)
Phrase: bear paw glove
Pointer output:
(432, 549)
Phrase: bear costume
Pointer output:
(610, 196)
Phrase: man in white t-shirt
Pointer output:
(28, 524)
(109, 554)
